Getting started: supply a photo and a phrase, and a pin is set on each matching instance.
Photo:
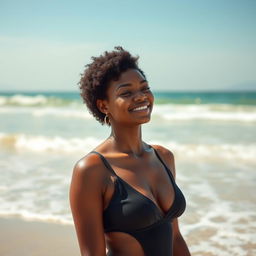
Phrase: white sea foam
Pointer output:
(216, 225)
(38, 112)
(62, 112)
(243, 152)
(3, 100)
(168, 112)
(30, 216)
(208, 151)
(23, 100)
(217, 229)
(42, 143)
(220, 112)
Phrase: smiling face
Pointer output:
(129, 99)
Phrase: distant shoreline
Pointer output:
(154, 91)
(64, 98)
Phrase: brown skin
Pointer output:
(92, 185)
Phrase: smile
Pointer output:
(141, 108)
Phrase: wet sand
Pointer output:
(31, 238)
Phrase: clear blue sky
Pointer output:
(183, 45)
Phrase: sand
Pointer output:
(31, 238)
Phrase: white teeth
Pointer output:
(140, 108)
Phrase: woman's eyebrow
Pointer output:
(129, 84)
(122, 85)
(143, 81)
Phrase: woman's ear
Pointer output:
(102, 106)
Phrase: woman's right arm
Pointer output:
(86, 202)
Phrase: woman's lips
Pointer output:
(140, 108)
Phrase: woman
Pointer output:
(123, 195)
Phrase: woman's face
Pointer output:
(130, 100)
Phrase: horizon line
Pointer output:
(157, 91)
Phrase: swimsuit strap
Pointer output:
(108, 166)
(105, 162)
(164, 164)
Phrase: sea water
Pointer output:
(212, 136)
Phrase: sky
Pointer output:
(183, 45)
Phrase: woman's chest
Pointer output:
(140, 187)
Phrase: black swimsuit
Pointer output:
(132, 213)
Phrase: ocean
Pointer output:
(212, 136)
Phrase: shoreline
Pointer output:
(21, 237)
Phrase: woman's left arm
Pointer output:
(180, 247)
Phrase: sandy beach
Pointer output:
(30, 238)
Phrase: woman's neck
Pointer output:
(127, 140)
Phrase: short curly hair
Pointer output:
(97, 75)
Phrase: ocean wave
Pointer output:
(62, 112)
(167, 112)
(45, 98)
(212, 152)
(22, 100)
(68, 113)
(42, 143)
(243, 152)
(33, 216)
(35, 100)
(221, 112)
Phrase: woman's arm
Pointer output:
(86, 204)
(180, 247)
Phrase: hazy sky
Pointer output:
(183, 45)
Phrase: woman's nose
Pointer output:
(139, 96)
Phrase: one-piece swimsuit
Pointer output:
(130, 212)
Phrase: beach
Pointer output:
(35, 238)
(212, 136)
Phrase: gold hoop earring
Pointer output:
(106, 119)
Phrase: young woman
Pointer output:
(123, 194)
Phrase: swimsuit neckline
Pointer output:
(162, 213)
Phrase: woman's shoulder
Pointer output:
(167, 156)
(90, 166)
(164, 151)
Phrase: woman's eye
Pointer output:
(146, 89)
(125, 94)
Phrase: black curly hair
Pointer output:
(97, 75)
